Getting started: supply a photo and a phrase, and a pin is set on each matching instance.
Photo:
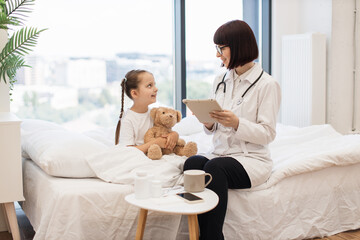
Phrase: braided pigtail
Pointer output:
(129, 82)
(117, 133)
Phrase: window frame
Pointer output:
(255, 11)
(179, 56)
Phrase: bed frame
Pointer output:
(315, 204)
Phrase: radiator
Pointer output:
(303, 79)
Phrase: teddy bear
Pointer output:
(164, 119)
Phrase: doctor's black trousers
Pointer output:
(227, 173)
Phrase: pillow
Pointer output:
(31, 125)
(103, 135)
(188, 125)
(36, 125)
(60, 152)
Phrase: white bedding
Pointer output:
(314, 204)
(301, 150)
(85, 209)
(120, 164)
(314, 190)
(294, 151)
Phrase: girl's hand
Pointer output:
(226, 118)
(161, 141)
(172, 139)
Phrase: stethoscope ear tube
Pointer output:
(242, 96)
(222, 82)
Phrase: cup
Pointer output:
(155, 188)
(194, 180)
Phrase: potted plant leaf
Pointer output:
(20, 42)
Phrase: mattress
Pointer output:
(308, 205)
(314, 204)
(313, 191)
(89, 208)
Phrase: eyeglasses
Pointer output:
(220, 48)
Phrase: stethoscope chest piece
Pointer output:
(240, 101)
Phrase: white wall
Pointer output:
(341, 65)
(4, 88)
(357, 67)
(335, 18)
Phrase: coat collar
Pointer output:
(251, 75)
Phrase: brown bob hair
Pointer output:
(240, 38)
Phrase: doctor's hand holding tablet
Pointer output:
(208, 111)
(226, 118)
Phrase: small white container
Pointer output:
(156, 189)
(142, 188)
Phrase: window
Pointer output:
(80, 60)
(202, 65)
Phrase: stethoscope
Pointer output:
(242, 96)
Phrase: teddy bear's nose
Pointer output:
(171, 116)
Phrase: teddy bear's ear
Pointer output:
(178, 116)
(153, 113)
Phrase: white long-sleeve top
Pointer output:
(133, 128)
(257, 121)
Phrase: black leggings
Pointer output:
(227, 173)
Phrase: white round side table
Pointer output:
(172, 204)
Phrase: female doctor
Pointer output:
(241, 133)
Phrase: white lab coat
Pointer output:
(257, 121)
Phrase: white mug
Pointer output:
(194, 180)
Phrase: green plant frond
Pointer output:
(21, 42)
(18, 20)
(18, 9)
(2, 6)
(14, 13)
(4, 21)
(10, 67)
(18, 6)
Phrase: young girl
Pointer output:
(139, 85)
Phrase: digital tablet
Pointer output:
(202, 107)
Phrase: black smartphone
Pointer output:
(189, 197)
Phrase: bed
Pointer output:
(314, 189)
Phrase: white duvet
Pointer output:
(64, 153)
(120, 164)
(294, 151)
(300, 150)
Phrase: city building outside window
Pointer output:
(80, 61)
(201, 63)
